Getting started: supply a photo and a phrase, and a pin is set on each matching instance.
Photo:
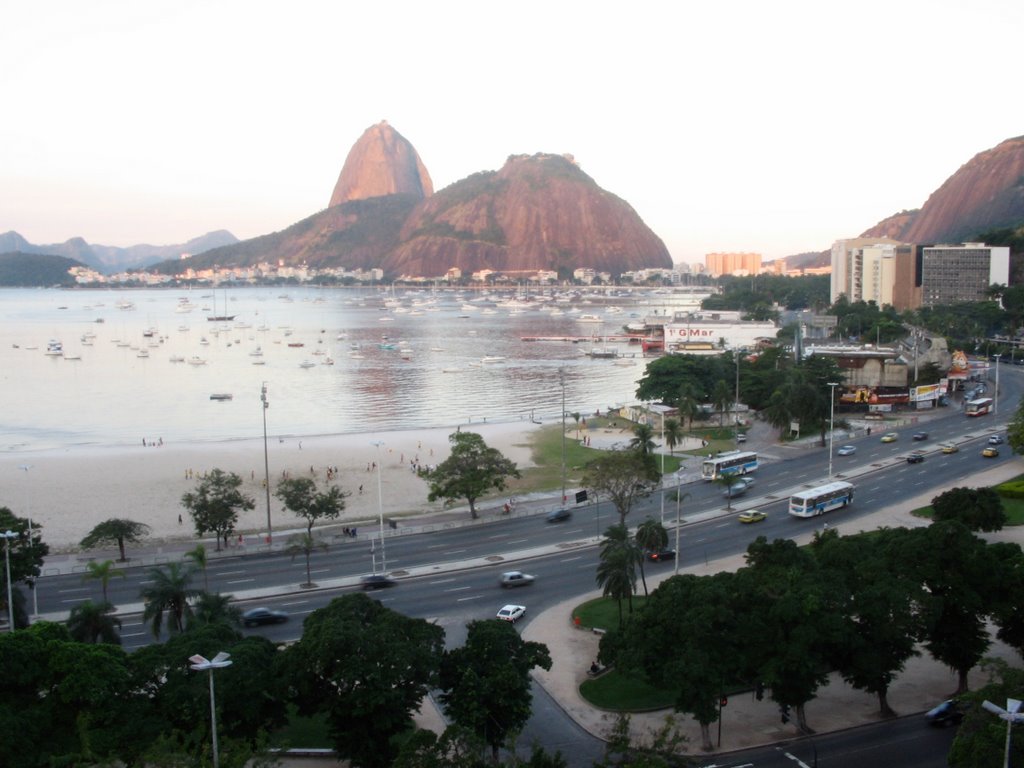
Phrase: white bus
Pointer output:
(978, 407)
(815, 501)
(729, 463)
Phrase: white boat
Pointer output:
(177, 358)
(54, 349)
(492, 359)
(72, 357)
(194, 360)
(589, 319)
(142, 353)
(258, 352)
(259, 361)
(307, 364)
(222, 396)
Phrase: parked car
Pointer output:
(740, 437)
(950, 448)
(515, 579)
(846, 450)
(890, 437)
(754, 516)
(915, 458)
(946, 713)
(662, 556)
(255, 617)
(377, 581)
(996, 440)
(920, 436)
(558, 516)
(990, 452)
(511, 613)
(738, 488)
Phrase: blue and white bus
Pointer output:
(729, 463)
(816, 501)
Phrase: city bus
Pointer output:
(729, 463)
(815, 501)
(978, 407)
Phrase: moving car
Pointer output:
(890, 437)
(946, 713)
(515, 579)
(377, 581)
(738, 488)
(996, 440)
(753, 516)
(558, 516)
(915, 458)
(662, 556)
(255, 617)
(740, 437)
(950, 448)
(990, 452)
(511, 613)
(920, 436)
(846, 450)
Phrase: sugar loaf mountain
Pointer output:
(538, 212)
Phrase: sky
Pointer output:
(774, 128)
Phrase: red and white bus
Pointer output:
(978, 407)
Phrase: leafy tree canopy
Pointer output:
(215, 503)
(979, 509)
(115, 531)
(471, 470)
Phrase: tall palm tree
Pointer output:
(673, 434)
(643, 438)
(91, 622)
(102, 572)
(616, 569)
(215, 609)
(650, 536)
(305, 544)
(722, 397)
(168, 592)
(199, 559)
(687, 403)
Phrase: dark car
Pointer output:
(947, 713)
(915, 458)
(558, 516)
(662, 556)
(377, 581)
(920, 436)
(254, 617)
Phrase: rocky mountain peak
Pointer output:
(381, 162)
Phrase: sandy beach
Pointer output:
(67, 492)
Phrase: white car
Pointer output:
(512, 613)
(515, 579)
(846, 450)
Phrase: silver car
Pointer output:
(515, 579)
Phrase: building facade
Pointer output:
(741, 264)
(956, 273)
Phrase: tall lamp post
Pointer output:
(561, 381)
(831, 424)
(663, 469)
(31, 544)
(266, 458)
(7, 536)
(995, 403)
(201, 664)
(1011, 715)
(380, 507)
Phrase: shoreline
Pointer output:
(67, 491)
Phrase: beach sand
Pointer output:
(67, 492)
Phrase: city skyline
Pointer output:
(742, 128)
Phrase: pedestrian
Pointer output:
(360, 490)
(300, 445)
(143, 442)
(179, 519)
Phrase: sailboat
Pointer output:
(220, 318)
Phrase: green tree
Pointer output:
(485, 684)
(214, 609)
(470, 471)
(25, 555)
(721, 398)
(643, 438)
(199, 559)
(650, 536)
(306, 544)
(687, 403)
(91, 622)
(729, 481)
(673, 435)
(102, 572)
(616, 567)
(979, 509)
(116, 531)
(299, 495)
(168, 591)
(215, 503)
(622, 477)
(366, 668)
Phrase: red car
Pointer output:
(662, 556)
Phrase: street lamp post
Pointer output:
(380, 509)
(663, 469)
(266, 458)
(200, 664)
(831, 424)
(1011, 715)
(995, 403)
(28, 511)
(561, 381)
(7, 536)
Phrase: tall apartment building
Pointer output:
(865, 269)
(953, 273)
(733, 263)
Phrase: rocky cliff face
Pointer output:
(537, 212)
(986, 193)
(381, 162)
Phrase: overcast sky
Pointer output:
(729, 126)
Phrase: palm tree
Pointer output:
(616, 570)
(215, 609)
(722, 397)
(643, 438)
(91, 622)
(198, 558)
(687, 403)
(650, 536)
(576, 417)
(305, 544)
(103, 573)
(168, 591)
(673, 434)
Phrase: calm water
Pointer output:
(428, 373)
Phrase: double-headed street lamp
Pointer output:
(7, 536)
(380, 507)
(995, 403)
(28, 512)
(831, 424)
(1011, 715)
(266, 458)
(200, 664)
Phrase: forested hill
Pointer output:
(33, 270)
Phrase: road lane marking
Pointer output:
(465, 599)
(241, 581)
